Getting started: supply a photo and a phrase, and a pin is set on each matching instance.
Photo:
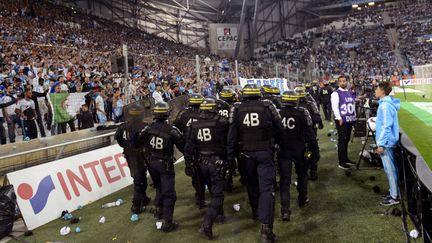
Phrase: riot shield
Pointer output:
(176, 106)
(138, 114)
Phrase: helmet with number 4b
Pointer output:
(161, 110)
(251, 91)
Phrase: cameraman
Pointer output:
(387, 137)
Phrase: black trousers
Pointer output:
(260, 173)
(30, 129)
(327, 110)
(213, 177)
(140, 187)
(285, 170)
(163, 176)
(344, 136)
(40, 125)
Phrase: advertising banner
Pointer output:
(282, 84)
(44, 191)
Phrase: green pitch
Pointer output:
(416, 121)
(341, 209)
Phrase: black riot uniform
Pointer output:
(206, 141)
(325, 100)
(254, 129)
(306, 101)
(226, 101)
(137, 166)
(296, 120)
(315, 91)
(184, 119)
(158, 140)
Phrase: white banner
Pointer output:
(418, 81)
(227, 38)
(44, 191)
(282, 84)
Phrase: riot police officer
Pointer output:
(271, 93)
(158, 140)
(296, 120)
(309, 103)
(333, 84)
(324, 98)
(227, 99)
(138, 169)
(184, 119)
(255, 125)
(206, 141)
(314, 91)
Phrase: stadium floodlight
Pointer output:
(371, 3)
(355, 6)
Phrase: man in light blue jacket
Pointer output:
(387, 137)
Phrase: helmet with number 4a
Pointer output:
(161, 110)
(227, 95)
(290, 98)
(195, 99)
(251, 91)
(300, 90)
(209, 104)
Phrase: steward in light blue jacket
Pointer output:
(387, 125)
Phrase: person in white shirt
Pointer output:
(157, 94)
(100, 107)
(343, 106)
(9, 114)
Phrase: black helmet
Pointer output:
(300, 90)
(251, 91)
(227, 94)
(195, 99)
(161, 110)
(290, 97)
(270, 90)
(209, 104)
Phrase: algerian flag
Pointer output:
(65, 105)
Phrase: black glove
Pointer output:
(189, 170)
(320, 126)
(221, 167)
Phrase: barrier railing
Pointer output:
(24, 159)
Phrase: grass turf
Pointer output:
(419, 132)
(341, 209)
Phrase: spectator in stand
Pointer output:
(100, 107)
(28, 113)
(85, 118)
(157, 94)
(10, 115)
(118, 110)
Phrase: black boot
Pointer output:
(137, 209)
(169, 226)
(285, 214)
(267, 235)
(303, 202)
(206, 231)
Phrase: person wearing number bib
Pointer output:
(295, 120)
(158, 140)
(255, 127)
(206, 140)
(183, 120)
(343, 107)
